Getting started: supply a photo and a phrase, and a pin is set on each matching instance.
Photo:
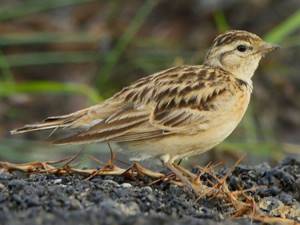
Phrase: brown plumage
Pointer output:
(177, 112)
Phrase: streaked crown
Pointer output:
(235, 35)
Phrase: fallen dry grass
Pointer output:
(240, 201)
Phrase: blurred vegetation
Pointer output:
(60, 56)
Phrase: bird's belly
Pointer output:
(199, 143)
(181, 145)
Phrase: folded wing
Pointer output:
(179, 100)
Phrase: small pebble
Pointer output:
(126, 185)
(57, 181)
(4, 175)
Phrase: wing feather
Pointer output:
(178, 100)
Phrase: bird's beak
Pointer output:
(268, 47)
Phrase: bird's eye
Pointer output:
(242, 48)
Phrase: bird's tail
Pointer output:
(52, 122)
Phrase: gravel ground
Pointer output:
(50, 199)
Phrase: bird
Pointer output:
(176, 113)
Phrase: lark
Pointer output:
(175, 113)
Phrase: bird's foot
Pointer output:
(138, 170)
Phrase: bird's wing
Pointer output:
(179, 100)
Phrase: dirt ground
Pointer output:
(52, 199)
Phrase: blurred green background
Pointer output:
(58, 56)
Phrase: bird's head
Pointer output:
(238, 52)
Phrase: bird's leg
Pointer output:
(110, 165)
(195, 177)
(185, 171)
(184, 179)
(169, 163)
(108, 168)
(112, 156)
(185, 176)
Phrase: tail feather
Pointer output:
(35, 127)
(51, 122)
